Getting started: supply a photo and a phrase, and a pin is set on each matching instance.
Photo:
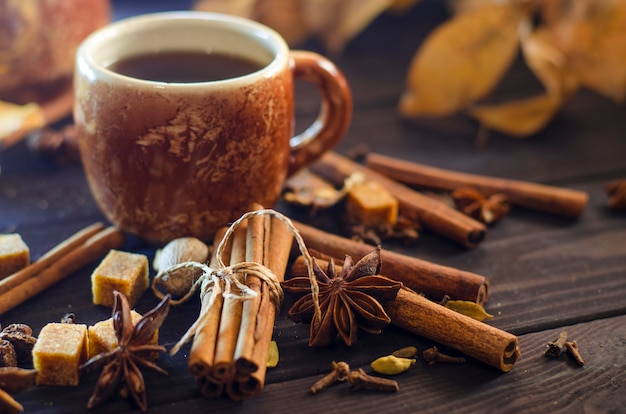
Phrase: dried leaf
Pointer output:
(546, 61)
(355, 16)
(592, 35)
(518, 118)
(462, 61)
(469, 308)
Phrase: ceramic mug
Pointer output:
(172, 159)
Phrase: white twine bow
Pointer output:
(220, 280)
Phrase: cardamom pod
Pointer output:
(272, 356)
(406, 352)
(391, 365)
(469, 308)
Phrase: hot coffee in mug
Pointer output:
(186, 118)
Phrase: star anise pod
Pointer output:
(348, 299)
(488, 209)
(132, 352)
(616, 192)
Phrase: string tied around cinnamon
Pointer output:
(221, 280)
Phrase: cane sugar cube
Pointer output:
(102, 336)
(58, 353)
(14, 254)
(370, 204)
(121, 271)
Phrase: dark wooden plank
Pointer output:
(535, 385)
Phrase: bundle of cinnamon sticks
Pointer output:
(230, 350)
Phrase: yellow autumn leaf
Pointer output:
(468, 308)
(593, 37)
(547, 62)
(518, 118)
(355, 15)
(462, 61)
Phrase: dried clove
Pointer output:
(406, 352)
(339, 373)
(433, 355)
(554, 348)
(572, 348)
(361, 381)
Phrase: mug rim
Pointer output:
(87, 64)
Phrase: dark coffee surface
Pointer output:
(184, 67)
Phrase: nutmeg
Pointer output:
(184, 249)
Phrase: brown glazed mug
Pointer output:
(170, 159)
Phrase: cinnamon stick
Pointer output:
(418, 315)
(277, 247)
(224, 363)
(550, 199)
(433, 280)
(423, 317)
(94, 247)
(433, 214)
(232, 358)
(202, 352)
(255, 247)
(50, 257)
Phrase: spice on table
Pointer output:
(415, 313)
(184, 249)
(339, 373)
(123, 362)
(406, 352)
(488, 209)
(572, 349)
(348, 299)
(273, 356)
(468, 308)
(12, 381)
(432, 279)
(362, 381)
(433, 214)
(432, 356)
(554, 348)
(239, 302)
(391, 365)
(550, 199)
(8, 358)
(307, 189)
(67, 257)
(616, 192)
(21, 338)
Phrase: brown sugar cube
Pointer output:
(102, 336)
(14, 254)
(58, 353)
(121, 271)
(370, 204)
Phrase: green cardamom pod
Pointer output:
(469, 308)
(391, 365)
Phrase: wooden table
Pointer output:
(547, 274)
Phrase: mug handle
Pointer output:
(335, 112)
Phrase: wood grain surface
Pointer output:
(547, 273)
